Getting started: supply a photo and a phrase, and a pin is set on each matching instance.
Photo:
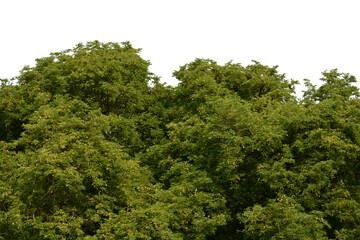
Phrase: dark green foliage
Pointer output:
(92, 146)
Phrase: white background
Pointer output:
(303, 37)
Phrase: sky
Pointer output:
(304, 38)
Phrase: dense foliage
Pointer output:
(93, 146)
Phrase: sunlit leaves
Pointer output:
(283, 218)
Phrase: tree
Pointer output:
(92, 146)
(336, 85)
(70, 178)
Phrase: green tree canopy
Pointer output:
(93, 146)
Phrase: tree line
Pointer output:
(94, 146)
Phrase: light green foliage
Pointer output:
(109, 76)
(283, 219)
(336, 85)
(70, 178)
(185, 210)
(92, 146)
